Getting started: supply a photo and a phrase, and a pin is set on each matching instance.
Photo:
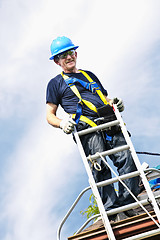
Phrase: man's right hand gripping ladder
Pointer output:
(140, 172)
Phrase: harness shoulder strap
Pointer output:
(77, 93)
(99, 92)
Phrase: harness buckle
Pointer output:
(80, 101)
(92, 87)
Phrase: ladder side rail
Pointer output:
(137, 163)
(70, 210)
(105, 219)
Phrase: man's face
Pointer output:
(67, 61)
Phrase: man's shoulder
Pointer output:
(87, 71)
(91, 74)
(55, 81)
(57, 78)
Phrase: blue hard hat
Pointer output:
(60, 45)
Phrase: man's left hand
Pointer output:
(119, 104)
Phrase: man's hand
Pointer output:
(119, 103)
(67, 125)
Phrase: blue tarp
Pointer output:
(155, 183)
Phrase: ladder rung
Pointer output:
(99, 127)
(108, 152)
(115, 179)
(129, 206)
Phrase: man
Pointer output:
(81, 94)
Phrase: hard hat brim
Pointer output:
(63, 50)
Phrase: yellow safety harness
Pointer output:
(87, 103)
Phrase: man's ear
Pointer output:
(57, 62)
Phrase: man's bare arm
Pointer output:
(66, 125)
(51, 115)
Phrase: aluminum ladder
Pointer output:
(94, 185)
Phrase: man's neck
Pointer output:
(75, 70)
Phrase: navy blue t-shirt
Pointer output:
(58, 92)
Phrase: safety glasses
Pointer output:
(65, 54)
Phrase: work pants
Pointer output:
(95, 142)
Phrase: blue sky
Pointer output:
(41, 170)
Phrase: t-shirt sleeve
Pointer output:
(52, 92)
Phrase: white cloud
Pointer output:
(38, 172)
(114, 37)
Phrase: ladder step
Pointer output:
(115, 179)
(99, 127)
(108, 152)
(129, 206)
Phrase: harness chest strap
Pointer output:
(87, 103)
(86, 120)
